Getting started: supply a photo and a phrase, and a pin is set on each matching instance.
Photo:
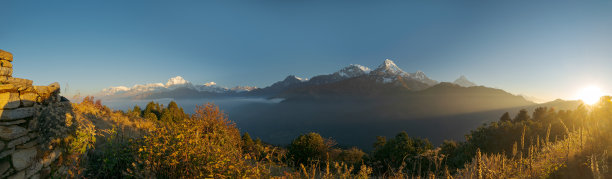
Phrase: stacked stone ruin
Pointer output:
(20, 153)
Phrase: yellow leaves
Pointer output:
(202, 147)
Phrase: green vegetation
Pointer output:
(165, 142)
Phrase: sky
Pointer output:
(543, 49)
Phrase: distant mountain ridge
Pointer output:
(463, 81)
(175, 84)
(386, 74)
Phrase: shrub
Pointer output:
(206, 145)
(308, 148)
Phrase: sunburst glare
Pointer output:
(590, 95)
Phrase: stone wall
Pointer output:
(22, 152)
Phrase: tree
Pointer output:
(523, 115)
(152, 108)
(247, 142)
(505, 118)
(542, 114)
(172, 113)
(137, 109)
(135, 112)
(307, 148)
(380, 142)
(402, 148)
(352, 156)
(150, 116)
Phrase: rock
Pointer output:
(6, 63)
(28, 145)
(4, 166)
(4, 79)
(7, 152)
(23, 158)
(47, 160)
(17, 141)
(19, 113)
(12, 132)
(8, 88)
(12, 122)
(34, 169)
(18, 175)
(28, 98)
(33, 125)
(20, 83)
(5, 71)
(33, 135)
(4, 55)
(54, 87)
(2, 145)
(42, 89)
(35, 176)
(45, 172)
(9, 100)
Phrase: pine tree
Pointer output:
(523, 115)
(505, 118)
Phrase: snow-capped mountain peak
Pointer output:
(212, 83)
(115, 89)
(241, 89)
(177, 80)
(389, 68)
(293, 78)
(463, 81)
(172, 84)
(353, 70)
(388, 72)
(419, 75)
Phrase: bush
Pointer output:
(308, 148)
(206, 145)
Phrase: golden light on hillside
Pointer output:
(590, 95)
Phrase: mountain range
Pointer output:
(386, 74)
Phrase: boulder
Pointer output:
(4, 166)
(12, 132)
(28, 98)
(7, 152)
(5, 71)
(20, 83)
(27, 145)
(19, 113)
(4, 55)
(47, 91)
(18, 175)
(18, 141)
(34, 169)
(8, 88)
(23, 158)
(8, 123)
(6, 63)
(9, 100)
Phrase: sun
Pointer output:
(590, 95)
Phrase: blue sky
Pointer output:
(537, 48)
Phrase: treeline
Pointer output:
(154, 111)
